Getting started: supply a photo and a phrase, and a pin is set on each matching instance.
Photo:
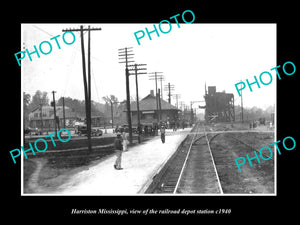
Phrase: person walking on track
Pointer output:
(118, 150)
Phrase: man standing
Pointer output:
(125, 141)
(118, 150)
(162, 133)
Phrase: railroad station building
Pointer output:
(150, 112)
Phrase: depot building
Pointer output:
(151, 113)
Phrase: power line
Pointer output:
(158, 103)
(69, 71)
(95, 86)
(86, 80)
(51, 35)
(155, 77)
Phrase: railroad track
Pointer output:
(191, 170)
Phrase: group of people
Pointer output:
(121, 144)
(253, 125)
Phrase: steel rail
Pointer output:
(183, 167)
(213, 161)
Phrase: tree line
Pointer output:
(254, 113)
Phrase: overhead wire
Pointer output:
(51, 35)
(69, 71)
(95, 85)
(71, 63)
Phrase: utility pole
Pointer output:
(192, 113)
(181, 105)
(169, 88)
(126, 54)
(53, 93)
(176, 97)
(159, 105)
(136, 69)
(86, 83)
(41, 105)
(242, 107)
(112, 113)
(109, 99)
(154, 77)
(161, 79)
(64, 115)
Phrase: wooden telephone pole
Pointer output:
(161, 78)
(54, 107)
(136, 69)
(126, 54)
(177, 96)
(155, 77)
(64, 113)
(86, 83)
(169, 88)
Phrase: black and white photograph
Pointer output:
(136, 112)
(186, 112)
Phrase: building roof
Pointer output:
(48, 113)
(47, 108)
(149, 104)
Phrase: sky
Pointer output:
(219, 55)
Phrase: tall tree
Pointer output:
(26, 108)
(75, 104)
(39, 98)
(26, 100)
(110, 102)
(110, 99)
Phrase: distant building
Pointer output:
(149, 112)
(219, 106)
(44, 117)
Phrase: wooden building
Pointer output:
(43, 118)
(151, 113)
